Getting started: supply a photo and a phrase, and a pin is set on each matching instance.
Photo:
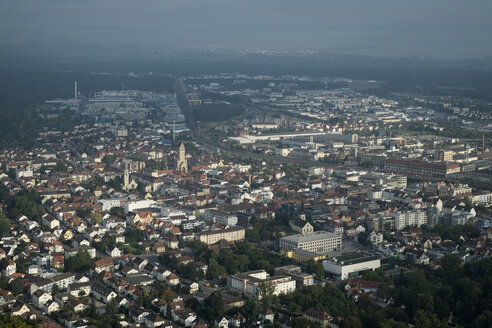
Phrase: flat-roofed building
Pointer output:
(351, 265)
(300, 255)
(317, 242)
(232, 234)
(420, 167)
(250, 283)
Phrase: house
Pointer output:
(19, 309)
(159, 247)
(76, 305)
(50, 307)
(375, 238)
(237, 320)
(50, 222)
(6, 297)
(102, 293)
(80, 289)
(185, 316)
(9, 268)
(267, 315)
(138, 314)
(129, 271)
(194, 287)
(301, 226)
(154, 320)
(40, 297)
(222, 322)
(113, 252)
(319, 317)
(172, 279)
(104, 264)
(58, 261)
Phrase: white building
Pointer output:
(351, 265)
(317, 242)
(375, 238)
(405, 219)
(227, 219)
(250, 283)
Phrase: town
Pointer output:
(237, 200)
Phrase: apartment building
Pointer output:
(232, 234)
(249, 283)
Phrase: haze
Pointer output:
(424, 28)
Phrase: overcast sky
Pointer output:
(424, 28)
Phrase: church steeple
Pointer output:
(182, 163)
(302, 214)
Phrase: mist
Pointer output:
(389, 28)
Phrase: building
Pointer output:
(300, 255)
(232, 234)
(301, 226)
(317, 242)
(375, 238)
(403, 219)
(227, 219)
(250, 283)
(319, 317)
(420, 167)
(182, 163)
(444, 156)
(351, 265)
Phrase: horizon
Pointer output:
(384, 29)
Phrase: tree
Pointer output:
(97, 218)
(301, 322)
(215, 270)
(251, 309)
(351, 322)
(451, 268)
(319, 271)
(4, 224)
(266, 290)
(61, 166)
(423, 319)
(215, 306)
(167, 295)
(78, 263)
(111, 307)
(16, 286)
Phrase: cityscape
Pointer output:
(244, 184)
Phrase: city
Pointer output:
(220, 204)
(245, 164)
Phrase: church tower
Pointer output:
(182, 164)
(126, 177)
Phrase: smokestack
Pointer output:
(483, 143)
(76, 93)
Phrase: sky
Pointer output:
(387, 28)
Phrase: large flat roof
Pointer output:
(353, 258)
(311, 237)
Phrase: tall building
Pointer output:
(182, 164)
(126, 177)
